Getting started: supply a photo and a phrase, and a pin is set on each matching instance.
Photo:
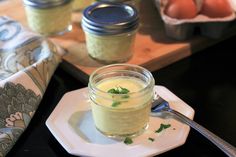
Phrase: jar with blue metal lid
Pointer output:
(49, 17)
(110, 30)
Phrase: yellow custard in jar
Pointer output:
(111, 49)
(48, 18)
(121, 105)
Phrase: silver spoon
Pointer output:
(161, 105)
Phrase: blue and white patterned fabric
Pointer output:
(27, 62)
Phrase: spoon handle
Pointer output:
(220, 143)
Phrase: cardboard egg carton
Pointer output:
(182, 29)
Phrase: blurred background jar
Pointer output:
(49, 17)
(110, 30)
(79, 5)
(135, 3)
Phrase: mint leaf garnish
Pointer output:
(151, 139)
(128, 140)
(123, 90)
(125, 96)
(118, 90)
(165, 126)
(162, 127)
(115, 103)
(112, 91)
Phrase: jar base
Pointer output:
(122, 136)
(111, 61)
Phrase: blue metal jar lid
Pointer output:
(116, 1)
(45, 3)
(110, 18)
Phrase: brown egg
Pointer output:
(181, 9)
(216, 8)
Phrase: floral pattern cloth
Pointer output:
(27, 62)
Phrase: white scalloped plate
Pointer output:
(72, 125)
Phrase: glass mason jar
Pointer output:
(121, 96)
(110, 31)
(49, 17)
(79, 5)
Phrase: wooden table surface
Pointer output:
(153, 49)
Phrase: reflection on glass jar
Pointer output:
(121, 96)
(110, 31)
(79, 5)
(49, 17)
